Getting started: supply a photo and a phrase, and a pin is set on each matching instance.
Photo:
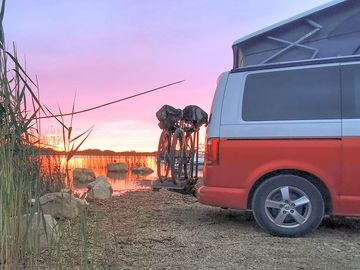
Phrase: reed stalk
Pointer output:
(22, 177)
(19, 160)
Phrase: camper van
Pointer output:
(283, 138)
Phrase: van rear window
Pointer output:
(350, 75)
(300, 94)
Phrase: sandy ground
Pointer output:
(163, 230)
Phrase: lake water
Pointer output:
(120, 182)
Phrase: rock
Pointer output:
(62, 205)
(146, 183)
(117, 175)
(41, 230)
(117, 167)
(142, 170)
(100, 189)
(83, 175)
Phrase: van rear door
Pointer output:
(213, 129)
(350, 185)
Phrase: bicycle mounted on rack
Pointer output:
(178, 148)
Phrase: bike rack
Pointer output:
(169, 185)
(185, 186)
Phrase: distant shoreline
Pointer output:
(114, 154)
(97, 152)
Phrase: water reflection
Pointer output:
(121, 182)
(117, 175)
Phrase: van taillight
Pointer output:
(212, 151)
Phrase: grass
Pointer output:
(26, 173)
(23, 179)
(19, 160)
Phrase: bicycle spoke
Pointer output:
(163, 155)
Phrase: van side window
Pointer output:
(350, 77)
(300, 94)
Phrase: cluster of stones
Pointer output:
(121, 167)
(64, 205)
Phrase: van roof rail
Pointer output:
(309, 62)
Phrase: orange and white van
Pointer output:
(284, 136)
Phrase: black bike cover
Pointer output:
(168, 116)
(196, 115)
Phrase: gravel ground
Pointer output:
(162, 230)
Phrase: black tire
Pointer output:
(163, 156)
(189, 157)
(288, 206)
(176, 156)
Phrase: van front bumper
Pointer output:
(223, 197)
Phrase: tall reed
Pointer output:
(21, 174)
(19, 158)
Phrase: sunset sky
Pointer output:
(106, 50)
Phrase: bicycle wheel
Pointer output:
(163, 158)
(176, 156)
(189, 157)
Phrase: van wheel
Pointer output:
(288, 205)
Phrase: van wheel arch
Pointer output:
(316, 181)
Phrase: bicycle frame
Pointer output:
(189, 134)
(184, 159)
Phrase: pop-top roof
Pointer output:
(291, 19)
(330, 30)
